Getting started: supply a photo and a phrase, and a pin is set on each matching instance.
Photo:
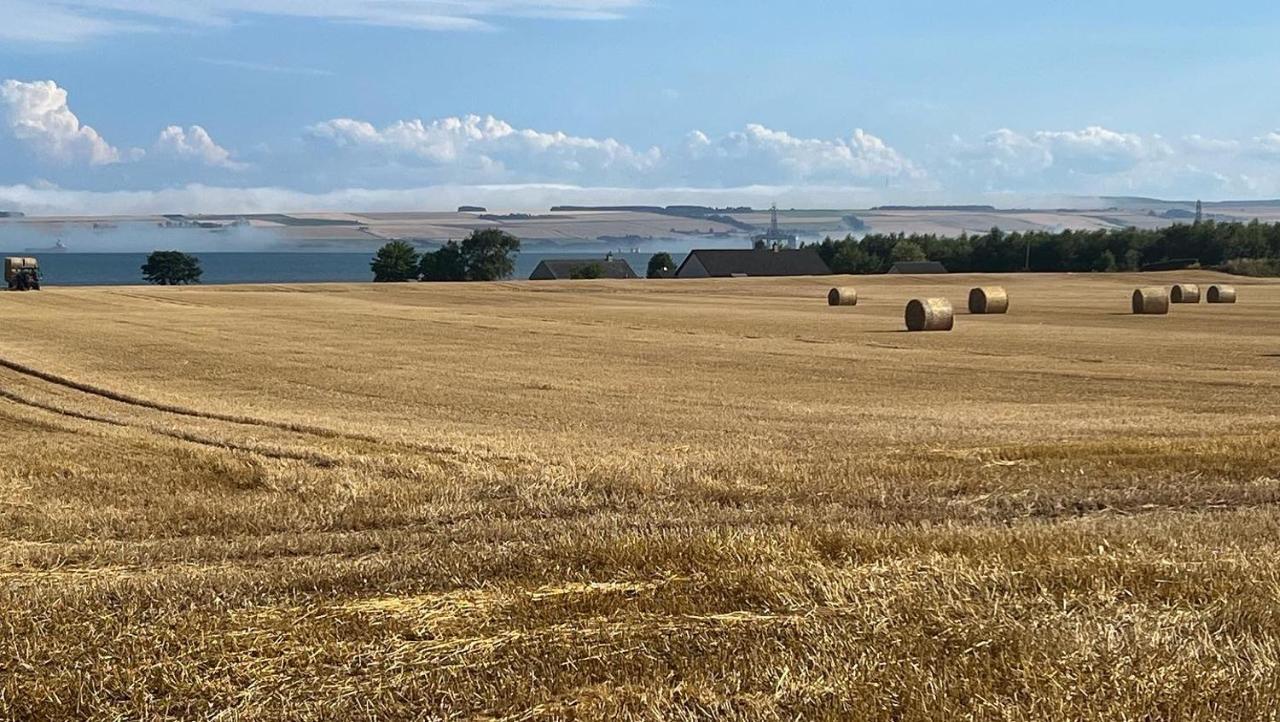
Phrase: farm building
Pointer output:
(917, 267)
(756, 262)
(581, 268)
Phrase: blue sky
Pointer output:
(146, 105)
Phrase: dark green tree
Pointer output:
(1132, 260)
(395, 262)
(907, 251)
(1106, 262)
(445, 264)
(171, 268)
(851, 258)
(661, 265)
(489, 254)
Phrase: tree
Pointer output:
(1211, 244)
(907, 251)
(1106, 262)
(445, 264)
(395, 262)
(489, 254)
(1133, 260)
(171, 268)
(660, 265)
(485, 255)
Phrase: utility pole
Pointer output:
(1027, 267)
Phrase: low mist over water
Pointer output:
(137, 237)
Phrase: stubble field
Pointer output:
(638, 500)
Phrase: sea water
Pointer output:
(120, 269)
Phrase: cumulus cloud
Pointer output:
(193, 143)
(412, 163)
(1100, 161)
(1197, 143)
(72, 20)
(487, 149)
(1092, 160)
(1269, 143)
(1098, 150)
(37, 115)
(775, 155)
(1012, 153)
(1091, 151)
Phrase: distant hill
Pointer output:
(975, 209)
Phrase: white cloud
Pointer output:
(72, 20)
(37, 115)
(1093, 150)
(1006, 153)
(462, 158)
(1093, 160)
(1098, 150)
(484, 149)
(768, 155)
(1269, 143)
(1200, 144)
(487, 149)
(193, 143)
(43, 22)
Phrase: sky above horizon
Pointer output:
(123, 106)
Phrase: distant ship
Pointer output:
(58, 247)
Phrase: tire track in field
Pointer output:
(314, 458)
(304, 434)
(158, 299)
(245, 420)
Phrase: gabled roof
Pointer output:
(754, 262)
(564, 269)
(918, 267)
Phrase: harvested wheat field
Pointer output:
(639, 500)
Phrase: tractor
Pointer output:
(22, 274)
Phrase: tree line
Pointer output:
(1252, 248)
(484, 255)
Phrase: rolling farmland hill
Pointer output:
(586, 228)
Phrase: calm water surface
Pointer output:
(118, 269)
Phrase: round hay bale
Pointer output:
(842, 297)
(989, 299)
(930, 314)
(1221, 294)
(1184, 293)
(1151, 300)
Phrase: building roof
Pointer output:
(564, 269)
(918, 267)
(754, 262)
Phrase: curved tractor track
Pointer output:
(51, 393)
